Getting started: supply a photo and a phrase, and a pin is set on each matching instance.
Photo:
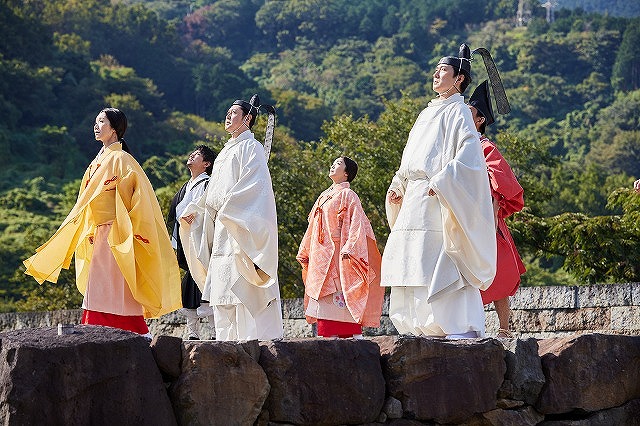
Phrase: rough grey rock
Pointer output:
(526, 416)
(439, 379)
(628, 415)
(167, 351)
(97, 375)
(393, 408)
(590, 372)
(323, 381)
(221, 384)
(524, 378)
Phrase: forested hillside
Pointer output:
(346, 78)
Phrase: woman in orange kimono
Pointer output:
(125, 266)
(340, 260)
(508, 198)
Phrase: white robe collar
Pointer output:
(247, 134)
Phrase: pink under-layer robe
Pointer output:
(339, 288)
(509, 196)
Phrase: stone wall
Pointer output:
(100, 375)
(538, 312)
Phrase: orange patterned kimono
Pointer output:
(509, 195)
(336, 288)
(115, 196)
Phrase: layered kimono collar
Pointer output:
(115, 146)
(456, 97)
(247, 134)
(341, 185)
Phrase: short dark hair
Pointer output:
(467, 78)
(483, 126)
(249, 107)
(350, 167)
(207, 155)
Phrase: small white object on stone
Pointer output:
(65, 329)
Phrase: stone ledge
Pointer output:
(101, 375)
(536, 312)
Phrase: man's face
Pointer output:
(234, 119)
(443, 78)
(196, 161)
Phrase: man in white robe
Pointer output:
(230, 236)
(199, 163)
(442, 248)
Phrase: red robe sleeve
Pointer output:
(504, 184)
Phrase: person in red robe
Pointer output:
(508, 198)
(340, 260)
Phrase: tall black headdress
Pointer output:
(481, 100)
(502, 103)
(253, 107)
(463, 63)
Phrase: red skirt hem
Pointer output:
(330, 328)
(134, 323)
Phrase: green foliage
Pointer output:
(626, 70)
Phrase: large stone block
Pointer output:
(539, 320)
(635, 294)
(97, 376)
(293, 309)
(386, 328)
(626, 415)
(323, 381)
(167, 351)
(591, 372)
(439, 379)
(550, 297)
(526, 416)
(37, 319)
(625, 318)
(524, 378)
(604, 295)
(297, 328)
(582, 319)
(221, 384)
(174, 324)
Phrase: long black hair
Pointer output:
(350, 167)
(118, 121)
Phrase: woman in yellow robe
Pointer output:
(125, 266)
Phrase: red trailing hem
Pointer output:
(133, 323)
(330, 328)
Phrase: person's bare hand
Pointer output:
(189, 218)
(393, 197)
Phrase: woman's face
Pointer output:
(234, 119)
(338, 171)
(103, 131)
(443, 78)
